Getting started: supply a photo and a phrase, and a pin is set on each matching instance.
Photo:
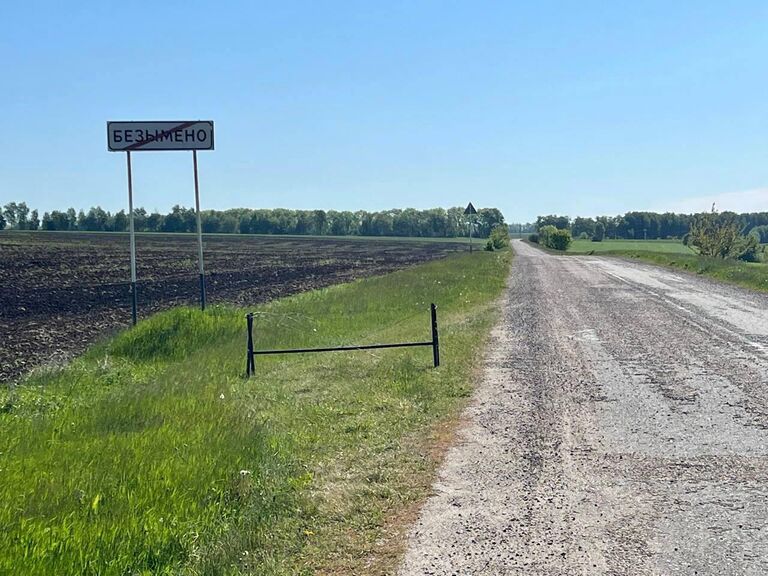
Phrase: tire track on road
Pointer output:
(621, 428)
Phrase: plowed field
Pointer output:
(59, 292)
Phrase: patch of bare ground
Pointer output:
(60, 292)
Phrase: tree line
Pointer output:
(646, 225)
(431, 223)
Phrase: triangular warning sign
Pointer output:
(470, 209)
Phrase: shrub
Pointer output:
(553, 238)
(499, 236)
(533, 238)
(583, 236)
(559, 240)
(720, 235)
(716, 234)
(544, 234)
(489, 246)
(749, 250)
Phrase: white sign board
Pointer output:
(138, 136)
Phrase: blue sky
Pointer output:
(533, 107)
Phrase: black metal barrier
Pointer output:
(251, 353)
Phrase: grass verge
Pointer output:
(745, 274)
(152, 455)
(663, 246)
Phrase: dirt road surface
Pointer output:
(621, 428)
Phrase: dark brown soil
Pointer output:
(60, 291)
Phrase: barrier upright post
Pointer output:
(250, 366)
(435, 338)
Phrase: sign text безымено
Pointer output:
(139, 136)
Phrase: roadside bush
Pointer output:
(749, 250)
(554, 238)
(559, 240)
(533, 238)
(545, 232)
(499, 236)
(719, 235)
(489, 246)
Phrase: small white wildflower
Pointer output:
(245, 472)
(222, 396)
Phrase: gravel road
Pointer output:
(621, 427)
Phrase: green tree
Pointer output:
(228, 224)
(16, 215)
(179, 220)
(583, 226)
(58, 221)
(599, 233)
(487, 219)
(34, 221)
(155, 222)
(561, 222)
(761, 233)
(96, 220)
(71, 219)
(319, 222)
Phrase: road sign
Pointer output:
(144, 136)
(179, 135)
(470, 211)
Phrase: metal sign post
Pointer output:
(470, 211)
(133, 240)
(199, 233)
(140, 136)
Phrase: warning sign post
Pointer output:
(471, 212)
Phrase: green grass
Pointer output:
(674, 254)
(660, 246)
(745, 274)
(151, 454)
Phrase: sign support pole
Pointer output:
(199, 233)
(470, 233)
(470, 211)
(133, 240)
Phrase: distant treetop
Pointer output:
(431, 223)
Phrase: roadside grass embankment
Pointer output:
(151, 454)
(753, 275)
(657, 246)
(675, 254)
